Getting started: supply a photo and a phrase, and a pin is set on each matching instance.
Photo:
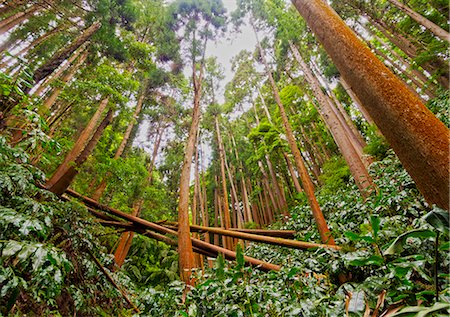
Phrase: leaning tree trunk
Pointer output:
(48, 103)
(226, 210)
(435, 29)
(346, 146)
(48, 67)
(79, 145)
(17, 18)
(325, 233)
(61, 185)
(102, 186)
(58, 72)
(420, 140)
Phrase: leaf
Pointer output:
(372, 260)
(421, 311)
(240, 256)
(439, 219)
(400, 241)
(375, 221)
(11, 248)
(40, 256)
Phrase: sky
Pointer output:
(230, 45)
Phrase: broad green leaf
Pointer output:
(398, 244)
(439, 219)
(421, 311)
(11, 248)
(372, 260)
(375, 221)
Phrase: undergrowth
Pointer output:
(388, 258)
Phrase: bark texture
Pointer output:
(56, 60)
(419, 139)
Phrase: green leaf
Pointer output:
(11, 248)
(375, 221)
(398, 244)
(239, 256)
(421, 311)
(372, 260)
(439, 219)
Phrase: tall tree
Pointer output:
(420, 140)
(198, 19)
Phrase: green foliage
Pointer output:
(440, 106)
(377, 146)
(44, 267)
(335, 174)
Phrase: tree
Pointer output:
(420, 139)
(198, 18)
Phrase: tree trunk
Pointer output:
(420, 140)
(48, 103)
(186, 255)
(352, 156)
(306, 180)
(436, 29)
(126, 137)
(58, 72)
(278, 190)
(292, 172)
(48, 67)
(411, 51)
(227, 217)
(10, 5)
(79, 144)
(125, 240)
(62, 183)
(17, 18)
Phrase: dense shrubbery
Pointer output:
(45, 244)
(46, 269)
(387, 253)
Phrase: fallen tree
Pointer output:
(229, 233)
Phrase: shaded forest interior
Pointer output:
(309, 176)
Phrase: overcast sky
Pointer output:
(230, 45)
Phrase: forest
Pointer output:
(145, 172)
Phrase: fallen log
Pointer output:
(199, 246)
(239, 235)
(287, 234)
(295, 244)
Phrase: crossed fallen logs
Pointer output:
(158, 231)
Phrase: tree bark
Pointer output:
(420, 140)
(48, 67)
(62, 183)
(435, 29)
(79, 144)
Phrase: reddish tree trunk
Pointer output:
(79, 145)
(306, 180)
(48, 67)
(48, 103)
(62, 183)
(420, 140)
